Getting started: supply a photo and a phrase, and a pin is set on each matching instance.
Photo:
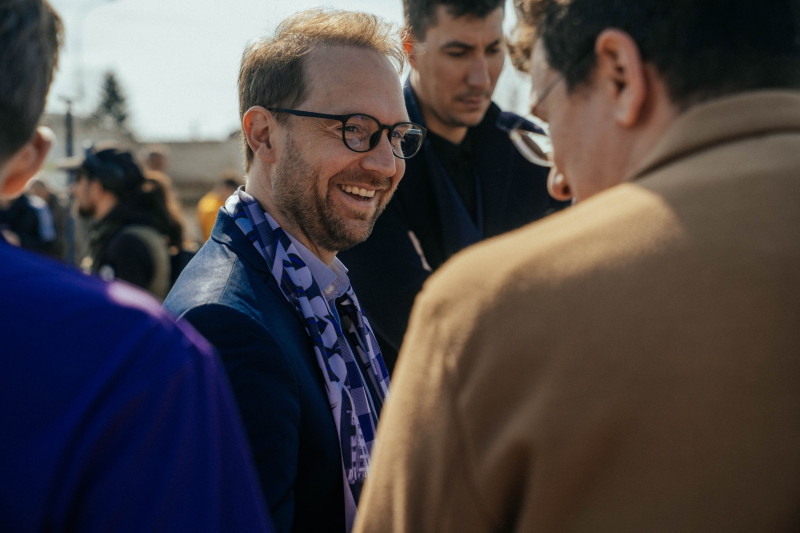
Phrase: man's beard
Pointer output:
(295, 189)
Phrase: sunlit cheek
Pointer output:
(447, 74)
(496, 67)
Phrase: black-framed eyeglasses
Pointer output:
(361, 133)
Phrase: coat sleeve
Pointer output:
(421, 473)
(267, 395)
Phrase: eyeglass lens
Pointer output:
(362, 133)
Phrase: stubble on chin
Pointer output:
(340, 233)
(296, 194)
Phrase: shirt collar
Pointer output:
(332, 279)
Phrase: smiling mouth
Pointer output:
(358, 191)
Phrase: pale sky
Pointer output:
(177, 60)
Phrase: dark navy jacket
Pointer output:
(387, 270)
(228, 295)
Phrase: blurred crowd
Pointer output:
(111, 189)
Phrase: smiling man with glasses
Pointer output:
(326, 138)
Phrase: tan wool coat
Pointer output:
(629, 364)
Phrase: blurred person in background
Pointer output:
(27, 221)
(209, 204)
(131, 229)
(114, 418)
(59, 212)
(160, 201)
(157, 159)
(469, 181)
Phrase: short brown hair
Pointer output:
(272, 74)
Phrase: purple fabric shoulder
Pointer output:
(115, 418)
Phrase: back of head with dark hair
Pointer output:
(421, 14)
(116, 170)
(30, 34)
(702, 49)
(157, 202)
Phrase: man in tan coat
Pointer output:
(632, 363)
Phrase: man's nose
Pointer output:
(478, 75)
(381, 159)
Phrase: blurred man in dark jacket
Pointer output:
(468, 182)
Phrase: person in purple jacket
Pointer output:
(113, 417)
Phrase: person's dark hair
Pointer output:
(117, 171)
(702, 49)
(30, 36)
(157, 201)
(421, 14)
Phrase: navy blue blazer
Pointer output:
(426, 222)
(228, 295)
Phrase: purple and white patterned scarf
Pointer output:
(346, 390)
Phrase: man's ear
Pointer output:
(25, 162)
(622, 73)
(259, 124)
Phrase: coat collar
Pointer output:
(723, 120)
(227, 233)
